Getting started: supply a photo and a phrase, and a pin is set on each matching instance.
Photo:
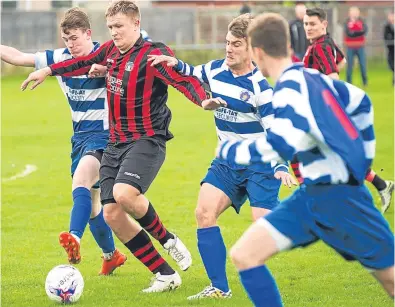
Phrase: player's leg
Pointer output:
(285, 227)
(386, 278)
(112, 257)
(138, 169)
(85, 174)
(219, 189)
(128, 231)
(211, 203)
(384, 187)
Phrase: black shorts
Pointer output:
(136, 164)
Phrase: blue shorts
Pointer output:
(343, 216)
(88, 143)
(260, 188)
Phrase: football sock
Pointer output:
(153, 225)
(261, 287)
(295, 168)
(102, 233)
(378, 183)
(213, 252)
(81, 211)
(142, 248)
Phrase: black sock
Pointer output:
(143, 249)
(153, 225)
(379, 183)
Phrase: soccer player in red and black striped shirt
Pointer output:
(139, 128)
(325, 56)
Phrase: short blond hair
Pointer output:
(125, 7)
(75, 18)
(238, 26)
(270, 32)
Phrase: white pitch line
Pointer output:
(29, 168)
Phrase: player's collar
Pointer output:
(294, 66)
(321, 38)
(139, 42)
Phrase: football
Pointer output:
(64, 284)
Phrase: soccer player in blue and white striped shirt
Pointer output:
(89, 112)
(328, 124)
(247, 115)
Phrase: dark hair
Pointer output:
(75, 18)
(320, 13)
(270, 32)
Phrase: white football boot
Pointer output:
(163, 283)
(386, 196)
(179, 252)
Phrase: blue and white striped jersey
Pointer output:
(87, 97)
(249, 110)
(145, 35)
(327, 123)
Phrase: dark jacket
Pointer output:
(389, 35)
(299, 42)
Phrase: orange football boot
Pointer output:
(71, 246)
(109, 265)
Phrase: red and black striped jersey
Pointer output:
(136, 92)
(324, 55)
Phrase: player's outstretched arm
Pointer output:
(190, 86)
(165, 59)
(37, 76)
(183, 68)
(15, 57)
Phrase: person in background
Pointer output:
(389, 42)
(355, 30)
(299, 42)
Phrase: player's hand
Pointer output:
(97, 71)
(37, 76)
(286, 178)
(213, 103)
(157, 59)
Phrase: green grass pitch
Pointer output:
(36, 129)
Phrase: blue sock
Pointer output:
(81, 211)
(102, 233)
(213, 252)
(261, 287)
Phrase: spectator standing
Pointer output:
(355, 30)
(299, 42)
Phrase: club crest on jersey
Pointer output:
(110, 62)
(245, 96)
(129, 66)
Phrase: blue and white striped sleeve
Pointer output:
(43, 59)
(266, 113)
(200, 71)
(360, 109)
(49, 57)
(289, 133)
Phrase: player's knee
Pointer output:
(111, 213)
(124, 194)
(237, 256)
(205, 216)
